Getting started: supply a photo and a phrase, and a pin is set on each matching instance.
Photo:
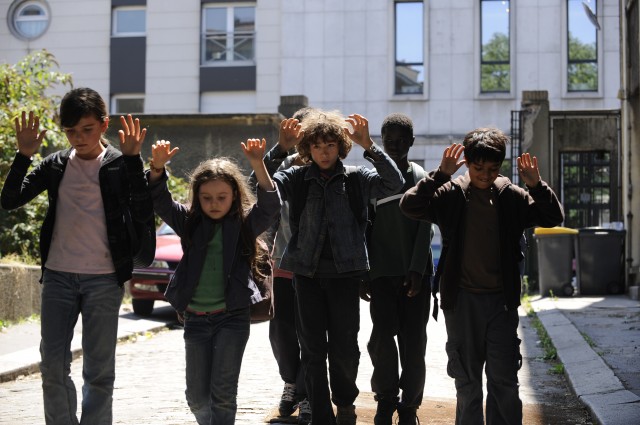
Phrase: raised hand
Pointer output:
(290, 133)
(451, 161)
(28, 138)
(131, 137)
(528, 169)
(360, 133)
(161, 153)
(254, 150)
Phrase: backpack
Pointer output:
(352, 186)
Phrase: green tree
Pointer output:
(495, 67)
(583, 65)
(28, 86)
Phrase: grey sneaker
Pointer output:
(288, 400)
(304, 412)
(346, 415)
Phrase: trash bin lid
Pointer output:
(558, 230)
(600, 230)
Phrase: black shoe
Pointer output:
(385, 410)
(304, 412)
(346, 415)
(288, 400)
(408, 416)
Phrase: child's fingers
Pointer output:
(125, 127)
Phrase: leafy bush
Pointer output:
(28, 86)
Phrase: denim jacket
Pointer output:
(20, 188)
(346, 232)
(240, 289)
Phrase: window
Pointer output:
(127, 104)
(228, 35)
(129, 21)
(29, 19)
(582, 46)
(586, 188)
(409, 49)
(495, 65)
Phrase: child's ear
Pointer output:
(104, 125)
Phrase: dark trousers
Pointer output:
(329, 313)
(283, 335)
(394, 314)
(481, 333)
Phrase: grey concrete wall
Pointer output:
(20, 289)
(201, 137)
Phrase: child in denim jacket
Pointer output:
(327, 251)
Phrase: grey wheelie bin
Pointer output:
(555, 260)
(600, 261)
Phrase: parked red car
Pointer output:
(148, 284)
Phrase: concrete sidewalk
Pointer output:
(604, 373)
(598, 341)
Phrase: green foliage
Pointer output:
(179, 189)
(495, 68)
(27, 86)
(583, 65)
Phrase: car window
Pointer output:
(165, 229)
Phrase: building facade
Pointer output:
(451, 65)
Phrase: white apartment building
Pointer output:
(451, 65)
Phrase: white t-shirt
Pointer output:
(79, 243)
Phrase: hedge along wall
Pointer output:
(19, 291)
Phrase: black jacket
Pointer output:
(240, 290)
(442, 201)
(20, 188)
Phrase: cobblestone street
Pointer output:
(149, 388)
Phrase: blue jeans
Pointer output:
(329, 315)
(214, 346)
(64, 297)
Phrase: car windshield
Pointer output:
(165, 229)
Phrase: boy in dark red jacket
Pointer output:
(482, 216)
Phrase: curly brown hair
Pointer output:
(324, 125)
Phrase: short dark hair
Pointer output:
(485, 144)
(79, 103)
(399, 121)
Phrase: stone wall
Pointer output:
(20, 289)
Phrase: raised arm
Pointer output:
(161, 153)
(131, 136)
(254, 151)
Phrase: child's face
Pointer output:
(325, 153)
(85, 136)
(216, 198)
(483, 173)
(396, 144)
